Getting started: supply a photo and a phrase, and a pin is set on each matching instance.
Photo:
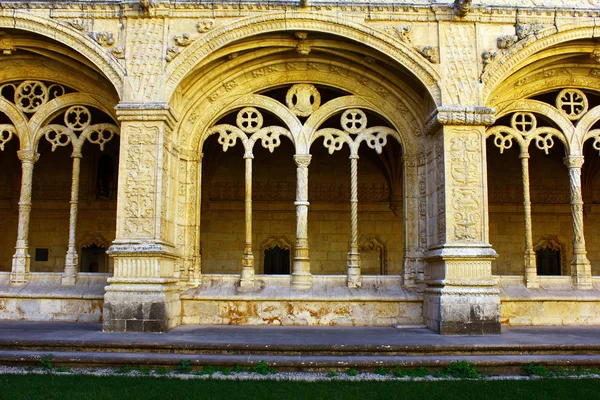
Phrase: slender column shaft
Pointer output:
(301, 276)
(247, 277)
(21, 262)
(580, 266)
(196, 276)
(72, 259)
(531, 278)
(354, 277)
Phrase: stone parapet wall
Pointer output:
(556, 302)
(45, 299)
(380, 302)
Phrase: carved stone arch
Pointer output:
(221, 36)
(19, 121)
(518, 55)
(290, 121)
(538, 107)
(70, 37)
(87, 239)
(552, 242)
(373, 253)
(270, 242)
(49, 70)
(334, 106)
(50, 109)
(402, 114)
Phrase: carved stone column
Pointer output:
(461, 297)
(197, 273)
(142, 296)
(354, 276)
(301, 276)
(21, 263)
(581, 270)
(247, 276)
(72, 259)
(531, 278)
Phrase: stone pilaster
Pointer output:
(142, 295)
(21, 262)
(461, 297)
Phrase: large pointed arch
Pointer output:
(110, 67)
(405, 55)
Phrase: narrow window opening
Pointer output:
(277, 261)
(41, 254)
(104, 177)
(93, 259)
(548, 262)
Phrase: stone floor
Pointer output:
(227, 335)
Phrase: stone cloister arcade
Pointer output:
(308, 167)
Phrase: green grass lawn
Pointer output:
(41, 387)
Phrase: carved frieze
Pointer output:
(140, 181)
(465, 170)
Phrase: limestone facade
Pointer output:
(300, 163)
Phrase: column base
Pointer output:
(143, 295)
(70, 274)
(581, 272)
(301, 280)
(301, 276)
(141, 305)
(354, 278)
(20, 268)
(461, 298)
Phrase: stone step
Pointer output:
(306, 362)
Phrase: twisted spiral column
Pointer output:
(72, 259)
(531, 278)
(581, 271)
(354, 277)
(247, 276)
(21, 262)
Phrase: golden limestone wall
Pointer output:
(439, 77)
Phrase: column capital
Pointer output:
(302, 160)
(448, 115)
(573, 161)
(28, 155)
(146, 112)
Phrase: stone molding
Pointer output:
(449, 115)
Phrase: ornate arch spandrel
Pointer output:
(282, 241)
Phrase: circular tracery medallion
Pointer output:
(353, 121)
(30, 96)
(77, 118)
(249, 120)
(572, 102)
(524, 122)
(303, 99)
